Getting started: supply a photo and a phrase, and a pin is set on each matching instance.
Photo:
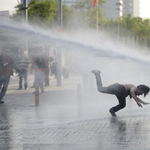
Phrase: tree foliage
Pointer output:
(86, 13)
(81, 14)
(41, 12)
(45, 12)
(128, 26)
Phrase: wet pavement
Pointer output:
(62, 121)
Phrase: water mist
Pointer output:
(84, 50)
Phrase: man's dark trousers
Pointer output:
(23, 74)
(4, 81)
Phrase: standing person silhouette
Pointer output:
(39, 65)
(6, 70)
(121, 91)
(23, 64)
(17, 57)
(54, 63)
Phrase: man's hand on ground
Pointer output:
(139, 104)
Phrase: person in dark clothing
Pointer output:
(46, 78)
(6, 70)
(49, 60)
(121, 91)
(39, 64)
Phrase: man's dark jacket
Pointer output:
(12, 65)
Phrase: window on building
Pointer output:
(130, 4)
(130, 9)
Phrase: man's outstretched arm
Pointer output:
(144, 103)
(132, 92)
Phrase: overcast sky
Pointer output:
(145, 8)
(8, 5)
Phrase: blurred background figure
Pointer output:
(39, 64)
(50, 62)
(17, 57)
(6, 70)
(54, 63)
(46, 78)
(23, 64)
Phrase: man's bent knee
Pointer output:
(102, 90)
(122, 106)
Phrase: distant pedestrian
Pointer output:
(121, 91)
(39, 64)
(17, 57)
(23, 64)
(54, 63)
(6, 70)
(50, 59)
(46, 78)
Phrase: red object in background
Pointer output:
(94, 3)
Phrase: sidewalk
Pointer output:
(64, 122)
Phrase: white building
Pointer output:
(4, 16)
(114, 9)
(131, 7)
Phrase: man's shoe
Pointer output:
(42, 91)
(112, 112)
(1, 102)
(26, 88)
(19, 89)
(96, 71)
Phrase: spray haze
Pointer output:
(86, 45)
(84, 50)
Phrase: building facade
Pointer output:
(131, 7)
(4, 16)
(114, 9)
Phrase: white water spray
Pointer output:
(87, 40)
(85, 51)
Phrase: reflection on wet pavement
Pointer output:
(61, 122)
(69, 126)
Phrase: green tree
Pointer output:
(42, 12)
(86, 13)
(130, 26)
(82, 14)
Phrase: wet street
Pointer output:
(64, 122)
